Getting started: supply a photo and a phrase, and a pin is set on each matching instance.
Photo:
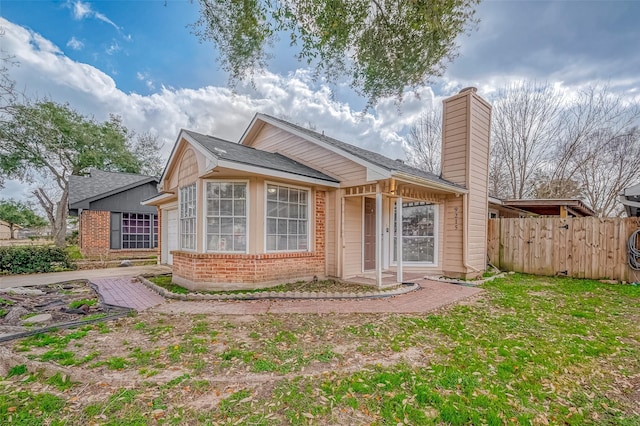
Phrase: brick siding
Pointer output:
(195, 269)
(94, 238)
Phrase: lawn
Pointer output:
(528, 350)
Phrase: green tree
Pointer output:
(17, 213)
(43, 143)
(382, 46)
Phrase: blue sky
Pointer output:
(139, 59)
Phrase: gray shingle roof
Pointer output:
(237, 153)
(370, 156)
(99, 183)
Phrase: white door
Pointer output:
(172, 234)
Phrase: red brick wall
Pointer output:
(256, 268)
(94, 238)
(93, 232)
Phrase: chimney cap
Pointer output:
(469, 89)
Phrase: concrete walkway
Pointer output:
(7, 281)
(431, 296)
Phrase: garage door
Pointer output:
(172, 234)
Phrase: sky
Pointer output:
(141, 60)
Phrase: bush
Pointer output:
(31, 259)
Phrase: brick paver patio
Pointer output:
(126, 292)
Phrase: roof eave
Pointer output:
(428, 182)
(274, 173)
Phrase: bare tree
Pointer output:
(525, 127)
(595, 112)
(424, 142)
(605, 164)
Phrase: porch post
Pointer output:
(378, 238)
(399, 238)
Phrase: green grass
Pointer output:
(77, 303)
(165, 282)
(529, 351)
(74, 252)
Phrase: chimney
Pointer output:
(466, 132)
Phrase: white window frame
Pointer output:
(310, 222)
(436, 234)
(153, 231)
(205, 238)
(194, 217)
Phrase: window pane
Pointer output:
(272, 226)
(282, 243)
(293, 210)
(293, 195)
(238, 208)
(283, 194)
(239, 190)
(239, 226)
(293, 227)
(226, 190)
(272, 208)
(240, 243)
(283, 210)
(226, 208)
(272, 192)
(213, 225)
(282, 226)
(226, 225)
(271, 242)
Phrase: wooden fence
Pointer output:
(586, 247)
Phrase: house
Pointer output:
(630, 199)
(288, 203)
(513, 208)
(5, 230)
(112, 222)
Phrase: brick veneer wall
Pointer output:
(94, 238)
(93, 232)
(217, 270)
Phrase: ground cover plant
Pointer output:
(528, 350)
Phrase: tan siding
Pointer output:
(455, 136)
(452, 239)
(272, 139)
(188, 168)
(352, 236)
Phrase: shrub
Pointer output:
(31, 259)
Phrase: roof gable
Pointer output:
(100, 184)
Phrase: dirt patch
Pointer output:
(27, 309)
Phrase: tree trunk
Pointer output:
(57, 213)
(11, 236)
(60, 226)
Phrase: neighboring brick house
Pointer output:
(288, 203)
(112, 221)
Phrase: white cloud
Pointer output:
(75, 44)
(213, 110)
(83, 10)
(114, 47)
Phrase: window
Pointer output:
(287, 218)
(139, 231)
(418, 233)
(188, 217)
(226, 216)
